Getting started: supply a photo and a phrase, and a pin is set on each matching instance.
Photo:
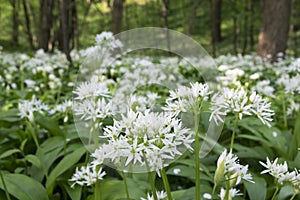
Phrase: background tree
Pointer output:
(117, 16)
(274, 30)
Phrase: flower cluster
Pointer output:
(240, 103)
(144, 138)
(28, 107)
(187, 99)
(281, 173)
(229, 169)
(87, 175)
(160, 196)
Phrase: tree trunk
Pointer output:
(28, 25)
(236, 29)
(46, 15)
(274, 30)
(165, 10)
(251, 25)
(216, 7)
(75, 36)
(15, 20)
(64, 28)
(117, 15)
(245, 39)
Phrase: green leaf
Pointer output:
(33, 160)
(66, 163)
(184, 171)
(285, 192)
(23, 187)
(111, 189)
(257, 190)
(295, 142)
(9, 115)
(50, 125)
(74, 193)
(9, 153)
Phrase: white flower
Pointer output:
(228, 168)
(240, 103)
(160, 196)
(28, 107)
(186, 98)
(232, 193)
(87, 175)
(278, 171)
(140, 137)
(91, 89)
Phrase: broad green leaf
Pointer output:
(295, 142)
(66, 163)
(74, 193)
(257, 190)
(33, 160)
(23, 187)
(285, 192)
(111, 189)
(183, 171)
(49, 124)
(10, 115)
(9, 153)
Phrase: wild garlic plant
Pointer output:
(229, 173)
(282, 176)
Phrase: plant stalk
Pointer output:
(234, 131)
(275, 193)
(197, 149)
(166, 183)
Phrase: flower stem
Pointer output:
(197, 149)
(275, 193)
(151, 180)
(284, 113)
(4, 185)
(166, 183)
(97, 193)
(213, 191)
(233, 133)
(126, 186)
(294, 195)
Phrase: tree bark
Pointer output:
(251, 25)
(28, 25)
(46, 15)
(64, 28)
(15, 20)
(274, 30)
(74, 33)
(165, 10)
(216, 18)
(245, 39)
(117, 15)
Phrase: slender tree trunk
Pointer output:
(245, 40)
(215, 30)
(74, 28)
(28, 25)
(274, 30)
(216, 10)
(46, 9)
(251, 25)
(236, 29)
(117, 15)
(165, 10)
(15, 20)
(64, 28)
